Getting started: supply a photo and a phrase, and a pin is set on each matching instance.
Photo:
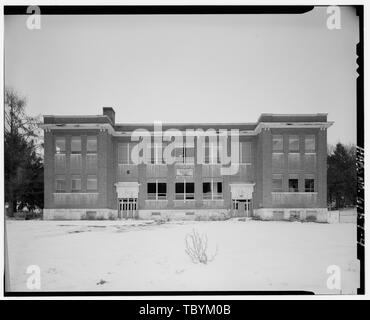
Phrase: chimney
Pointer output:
(109, 112)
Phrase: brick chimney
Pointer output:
(109, 112)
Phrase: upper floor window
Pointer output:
(277, 143)
(60, 145)
(294, 143)
(124, 153)
(310, 143)
(60, 154)
(184, 154)
(76, 145)
(245, 152)
(92, 144)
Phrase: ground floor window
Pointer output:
(212, 190)
(184, 190)
(277, 183)
(60, 184)
(92, 183)
(293, 185)
(157, 190)
(76, 183)
(309, 185)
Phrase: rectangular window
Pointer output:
(184, 190)
(157, 190)
(294, 143)
(245, 152)
(124, 153)
(189, 189)
(278, 161)
(293, 185)
(310, 162)
(76, 161)
(60, 162)
(212, 190)
(309, 185)
(76, 145)
(92, 144)
(152, 190)
(91, 161)
(277, 143)
(294, 161)
(60, 145)
(184, 155)
(76, 183)
(92, 183)
(60, 184)
(277, 183)
(310, 143)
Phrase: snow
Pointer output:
(147, 256)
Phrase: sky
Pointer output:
(187, 68)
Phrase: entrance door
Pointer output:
(127, 208)
(242, 207)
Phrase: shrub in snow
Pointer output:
(196, 247)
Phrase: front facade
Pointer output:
(96, 168)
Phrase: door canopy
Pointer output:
(127, 189)
(241, 190)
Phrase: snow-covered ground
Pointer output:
(143, 255)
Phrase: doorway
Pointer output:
(127, 208)
(242, 207)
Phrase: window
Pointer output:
(60, 145)
(60, 161)
(245, 152)
(124, 153)
(157, 190)
(277, 143)
(294, 161)
(277, 183)
(60, 154)
(293, 143)
(76, 161)
(60, 184)
(309, 184)
(76, 145)
(184, 190)
(278, 161)
(310, 162)
(310, 143)
(212, 190)
(293, 185)
(92, 183)
(76, 183)
(184, 154)
(91, 161)
(92, 144)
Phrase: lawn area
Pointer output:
(143, 255)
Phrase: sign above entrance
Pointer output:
(241, 190)
(127, 189)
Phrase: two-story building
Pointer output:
(96, 169)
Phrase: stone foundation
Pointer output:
(195, 214)
(299, 214)
(80, 214)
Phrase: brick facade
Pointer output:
(268, 184)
